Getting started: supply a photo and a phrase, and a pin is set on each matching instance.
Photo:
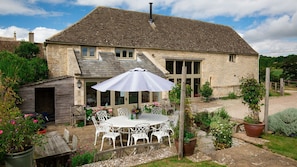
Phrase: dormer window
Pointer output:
(123, 53)
(88, 52)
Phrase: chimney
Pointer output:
(151, 12)
(14, 36)
(31, 37)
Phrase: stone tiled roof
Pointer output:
(120, 28)
(109, 66)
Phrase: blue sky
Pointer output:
(269, 26)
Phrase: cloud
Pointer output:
(274, 36)
(205, 9)
(40, 33)
(29, 8)
(274, 28)
(275, 47)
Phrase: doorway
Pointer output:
(45, 102)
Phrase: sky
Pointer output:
(269, 26)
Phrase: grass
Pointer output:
(173, 161)
(283, 145)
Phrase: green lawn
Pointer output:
(283, 145)
(173, 161)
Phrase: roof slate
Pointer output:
(120, 28)
(109, 65)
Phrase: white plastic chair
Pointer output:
(102, 115)
(123, 112)
(140, 131)
(98, 127)
(156, 110)
(109, 132)
(161, 132)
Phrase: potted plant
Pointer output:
(18, 133)
(190, 139)
(206, 91)
(252, 93)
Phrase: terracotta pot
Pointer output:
(254, 130)
(188, 148)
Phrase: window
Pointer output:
(169, 66)
(145, 97)
(232, 58)
(124, 53)
(91, 94)
(88, 52)
(193, 73)
(105, 98)
(119, 98)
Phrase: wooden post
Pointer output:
(281, 87)
(267, 84)
(182, 114)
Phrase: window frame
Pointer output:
(124, 53)
(88, 52)
(232, 58)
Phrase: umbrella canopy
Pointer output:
(135, 80)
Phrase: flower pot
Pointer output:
(254, 130)
(188, 148)
(24, 158)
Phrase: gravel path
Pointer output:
(237, 109)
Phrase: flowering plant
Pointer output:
(136, 111)
(148, 107)
(17, 132)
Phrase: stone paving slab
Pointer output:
(252, 140)
(249, 155)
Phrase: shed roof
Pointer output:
(121, 28)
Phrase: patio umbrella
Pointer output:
(135, 80)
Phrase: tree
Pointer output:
(21, 69)
(290, 67)
(27, 50)
(15, 67)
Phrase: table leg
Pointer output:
(128, 142)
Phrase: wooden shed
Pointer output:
(52, 97)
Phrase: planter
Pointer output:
(24, 158)
(254, 130)
(188, 148)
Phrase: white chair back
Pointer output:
(123, 112)
(140, 131)
(157, 110)
(142, 128)
(102, 115)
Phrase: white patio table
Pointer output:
(127, 123)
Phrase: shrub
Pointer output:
(284, 122)
(82, 159)
(203, 120)
(232, 95)
(221, 130)
(222, 113)
(206, 91)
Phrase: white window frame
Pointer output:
(123, 53)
